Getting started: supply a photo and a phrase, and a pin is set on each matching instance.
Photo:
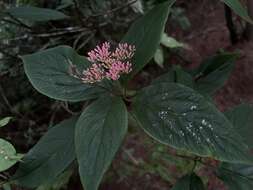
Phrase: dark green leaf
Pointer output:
(49, 72)
(242, 119)
(213, 72)
(36, 14)
(145, 34)
(189, 182)
(177, 75)
(239, 9)
(180, 117)
(49, 157)
(99, 133)
(59, 183)
(236, 176)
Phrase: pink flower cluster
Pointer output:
(108, 64)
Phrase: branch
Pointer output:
(68, 31)
(115, 9)
(79, 12)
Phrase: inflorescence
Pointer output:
(107, 64)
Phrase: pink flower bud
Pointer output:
(107, 64)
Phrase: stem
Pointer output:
(19, 22)
(230, 25)
(194, 165)
(79, 12)
(249, 27)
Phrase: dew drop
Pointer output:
(194, 107)
(163, 114)
(181, 132)
(204, 122)
(210, 126)
(165, 96)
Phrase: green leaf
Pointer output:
(242, 119)
(49, 72)
(239, 9)
(64, 4)
(180, 117)
(8, 156)
(53, 153)
(6, 186)
(189, 182)
(36, 14)
(99, 133)
(236, 176)
(159, 57)
(213, 72)
(58, 183)
(176, 75)
(5, 121)
(145, 34)
(171, 42)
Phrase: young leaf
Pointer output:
(145, 34)
(213, 72)
(99, 133)
(36, 14)
(189, 182)
(49, 72)
(242, 119)
(236, 176)
(53, 153)
(180, 117)
(170, 42)
(159, 57)
(8, 156)
(239, 9)
(5, 121)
